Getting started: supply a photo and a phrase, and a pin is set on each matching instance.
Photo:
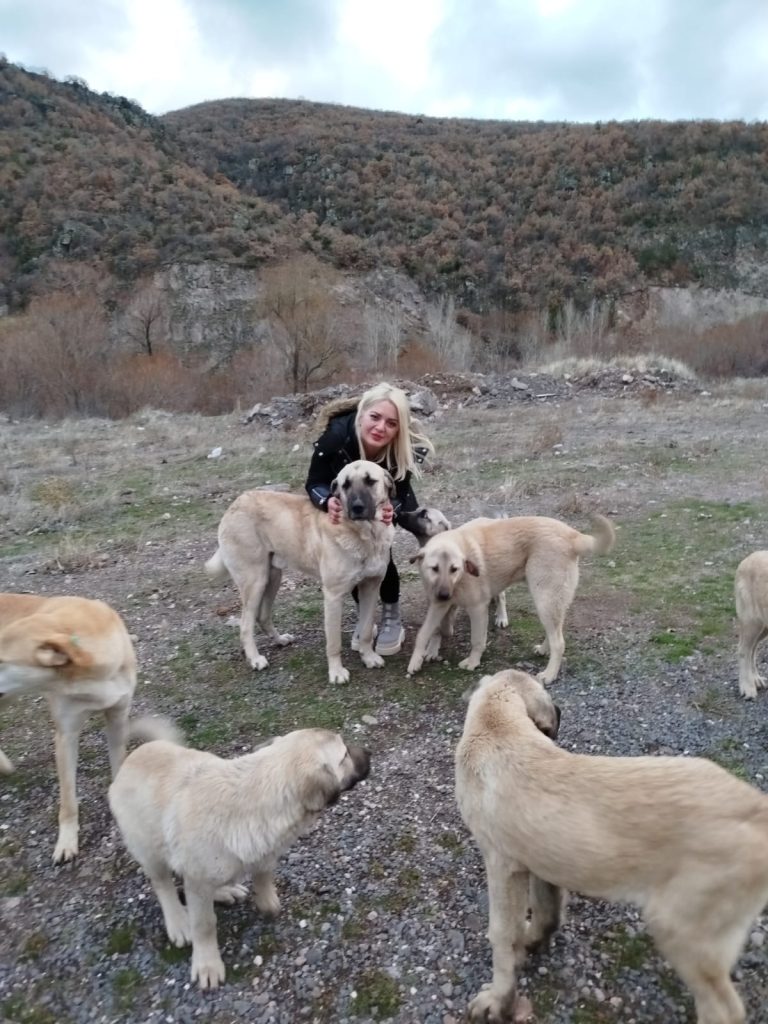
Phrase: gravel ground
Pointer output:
(384, 905)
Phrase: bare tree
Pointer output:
(383, 329)
(146, 321)
(451, 342)
(303, 321)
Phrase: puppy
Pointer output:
(264, 532)
(477, 561)
(751, 591)
(78, 654)
(679, 837)
(212, 821)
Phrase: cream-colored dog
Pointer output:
(78, 653)
(476, 562)
(264, 532)
(679, 837)
(213, 821)
(752, 612)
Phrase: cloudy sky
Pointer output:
(574, 60)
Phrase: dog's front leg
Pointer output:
(207, 966)
(478, 629)
(507, 905)
(68, 726)
(434, 618)
(332, 617)
(501, 619)
(367, 592)
(547, 903)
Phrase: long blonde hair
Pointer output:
(399, 455)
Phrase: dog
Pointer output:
(423, 523)
(78, 653)
(470, 565)
(751, 592)
(264, 532)
(213, 821)
(679, 837)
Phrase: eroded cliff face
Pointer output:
(694, 308)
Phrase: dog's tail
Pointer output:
(600, 541)
(146, 728)
(215, 566)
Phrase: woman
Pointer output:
(378, 426)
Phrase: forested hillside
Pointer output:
(501, 215)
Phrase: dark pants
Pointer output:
(389, 591)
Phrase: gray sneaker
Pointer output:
(355, 641)
(391, 634)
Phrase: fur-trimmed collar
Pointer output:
(335, 408)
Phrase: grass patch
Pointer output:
(378, 995)
(121, 940)
(21, 1010)
(126, 985)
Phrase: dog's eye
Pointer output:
(346, 485)
(453, 570)
(368, 481)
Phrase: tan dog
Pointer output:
(679, 837)
(213, 821)
(476, 562)
(78, 653)
(264, 532)
(751, 592)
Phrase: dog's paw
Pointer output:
(338, 674)
(432, 652)
(542, 648)
(414, 665)
(267, 901)
(258, 662)
(67, 846)
(283, 639)
(495, 1009)
(546, 678)
(470, 663)
(372, 660)
(209, 973)
(760, 682)
(177, 928)
(501, 621)
(231, 893)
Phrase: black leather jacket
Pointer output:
(335, 449)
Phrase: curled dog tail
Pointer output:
(215, 566)
(601, 541)
(155, 727)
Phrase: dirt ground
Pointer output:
(384, 904)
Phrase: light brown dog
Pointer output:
(213, 821)
(476, 562)
(78, 653)
(751, 591)
(264, 532)
(679, 837)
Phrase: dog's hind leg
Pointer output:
(207, 966)
(265, 609)
(552, 599)
(507, 903)
(251, 595)
(175, 915)
(546, 902)
(751, 632)
(116, 728)
(265, 894)
(501, 619)
(68, 726)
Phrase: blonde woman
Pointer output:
(377, 426)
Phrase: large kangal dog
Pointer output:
(264, 532)
(78, 654)
(476, 562)
(679, 837)
(212, 822)
(752, 612)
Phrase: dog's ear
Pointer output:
(334, 487)
(63, 649)
(418, 557)
(551, 729)
(320, 790)
(470, 567)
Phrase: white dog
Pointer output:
(679, 837)
(213, 821)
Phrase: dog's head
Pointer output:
(423, 523)
(323, 765)
(442, 564)
(35, 654)
(517, 686)
(363, 487)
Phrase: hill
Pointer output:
(501, 215)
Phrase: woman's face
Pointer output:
(379, 425)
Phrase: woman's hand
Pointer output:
(334, 510)
(387, 514)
